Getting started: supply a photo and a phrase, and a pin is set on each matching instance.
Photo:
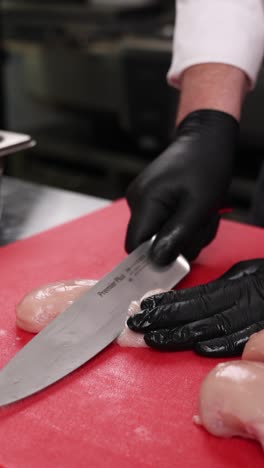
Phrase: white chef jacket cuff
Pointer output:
(218, 31)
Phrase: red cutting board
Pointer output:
(126, 407)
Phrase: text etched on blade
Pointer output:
(111, 286)
(131, 272)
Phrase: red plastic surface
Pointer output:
(126, 407)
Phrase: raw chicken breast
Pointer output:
(43, 304)
(231, 401)
(254, 349)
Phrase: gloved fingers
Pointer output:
(180, 295)
(206, 234)
(221, 324)
(243, 269)
(237, 274)
(145, 221)
(176, 233)
(196, 309)
(230, 345)
(181, 338)
(163, 340)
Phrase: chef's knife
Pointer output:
(86, 327)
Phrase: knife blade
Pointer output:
(86, 327)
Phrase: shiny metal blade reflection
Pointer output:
(86, 327)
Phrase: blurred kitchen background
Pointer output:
(87, 79)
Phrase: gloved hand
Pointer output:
(177, 196)
(215, 319)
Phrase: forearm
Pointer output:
(212, 86)
(217, 44)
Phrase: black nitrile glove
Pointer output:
(215, 319)
(177, 196)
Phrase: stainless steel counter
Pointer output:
(29, 208)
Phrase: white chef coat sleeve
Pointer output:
(218, 31)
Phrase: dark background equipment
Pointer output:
(88, 80)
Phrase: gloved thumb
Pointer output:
(176, 233)
(145, 221)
